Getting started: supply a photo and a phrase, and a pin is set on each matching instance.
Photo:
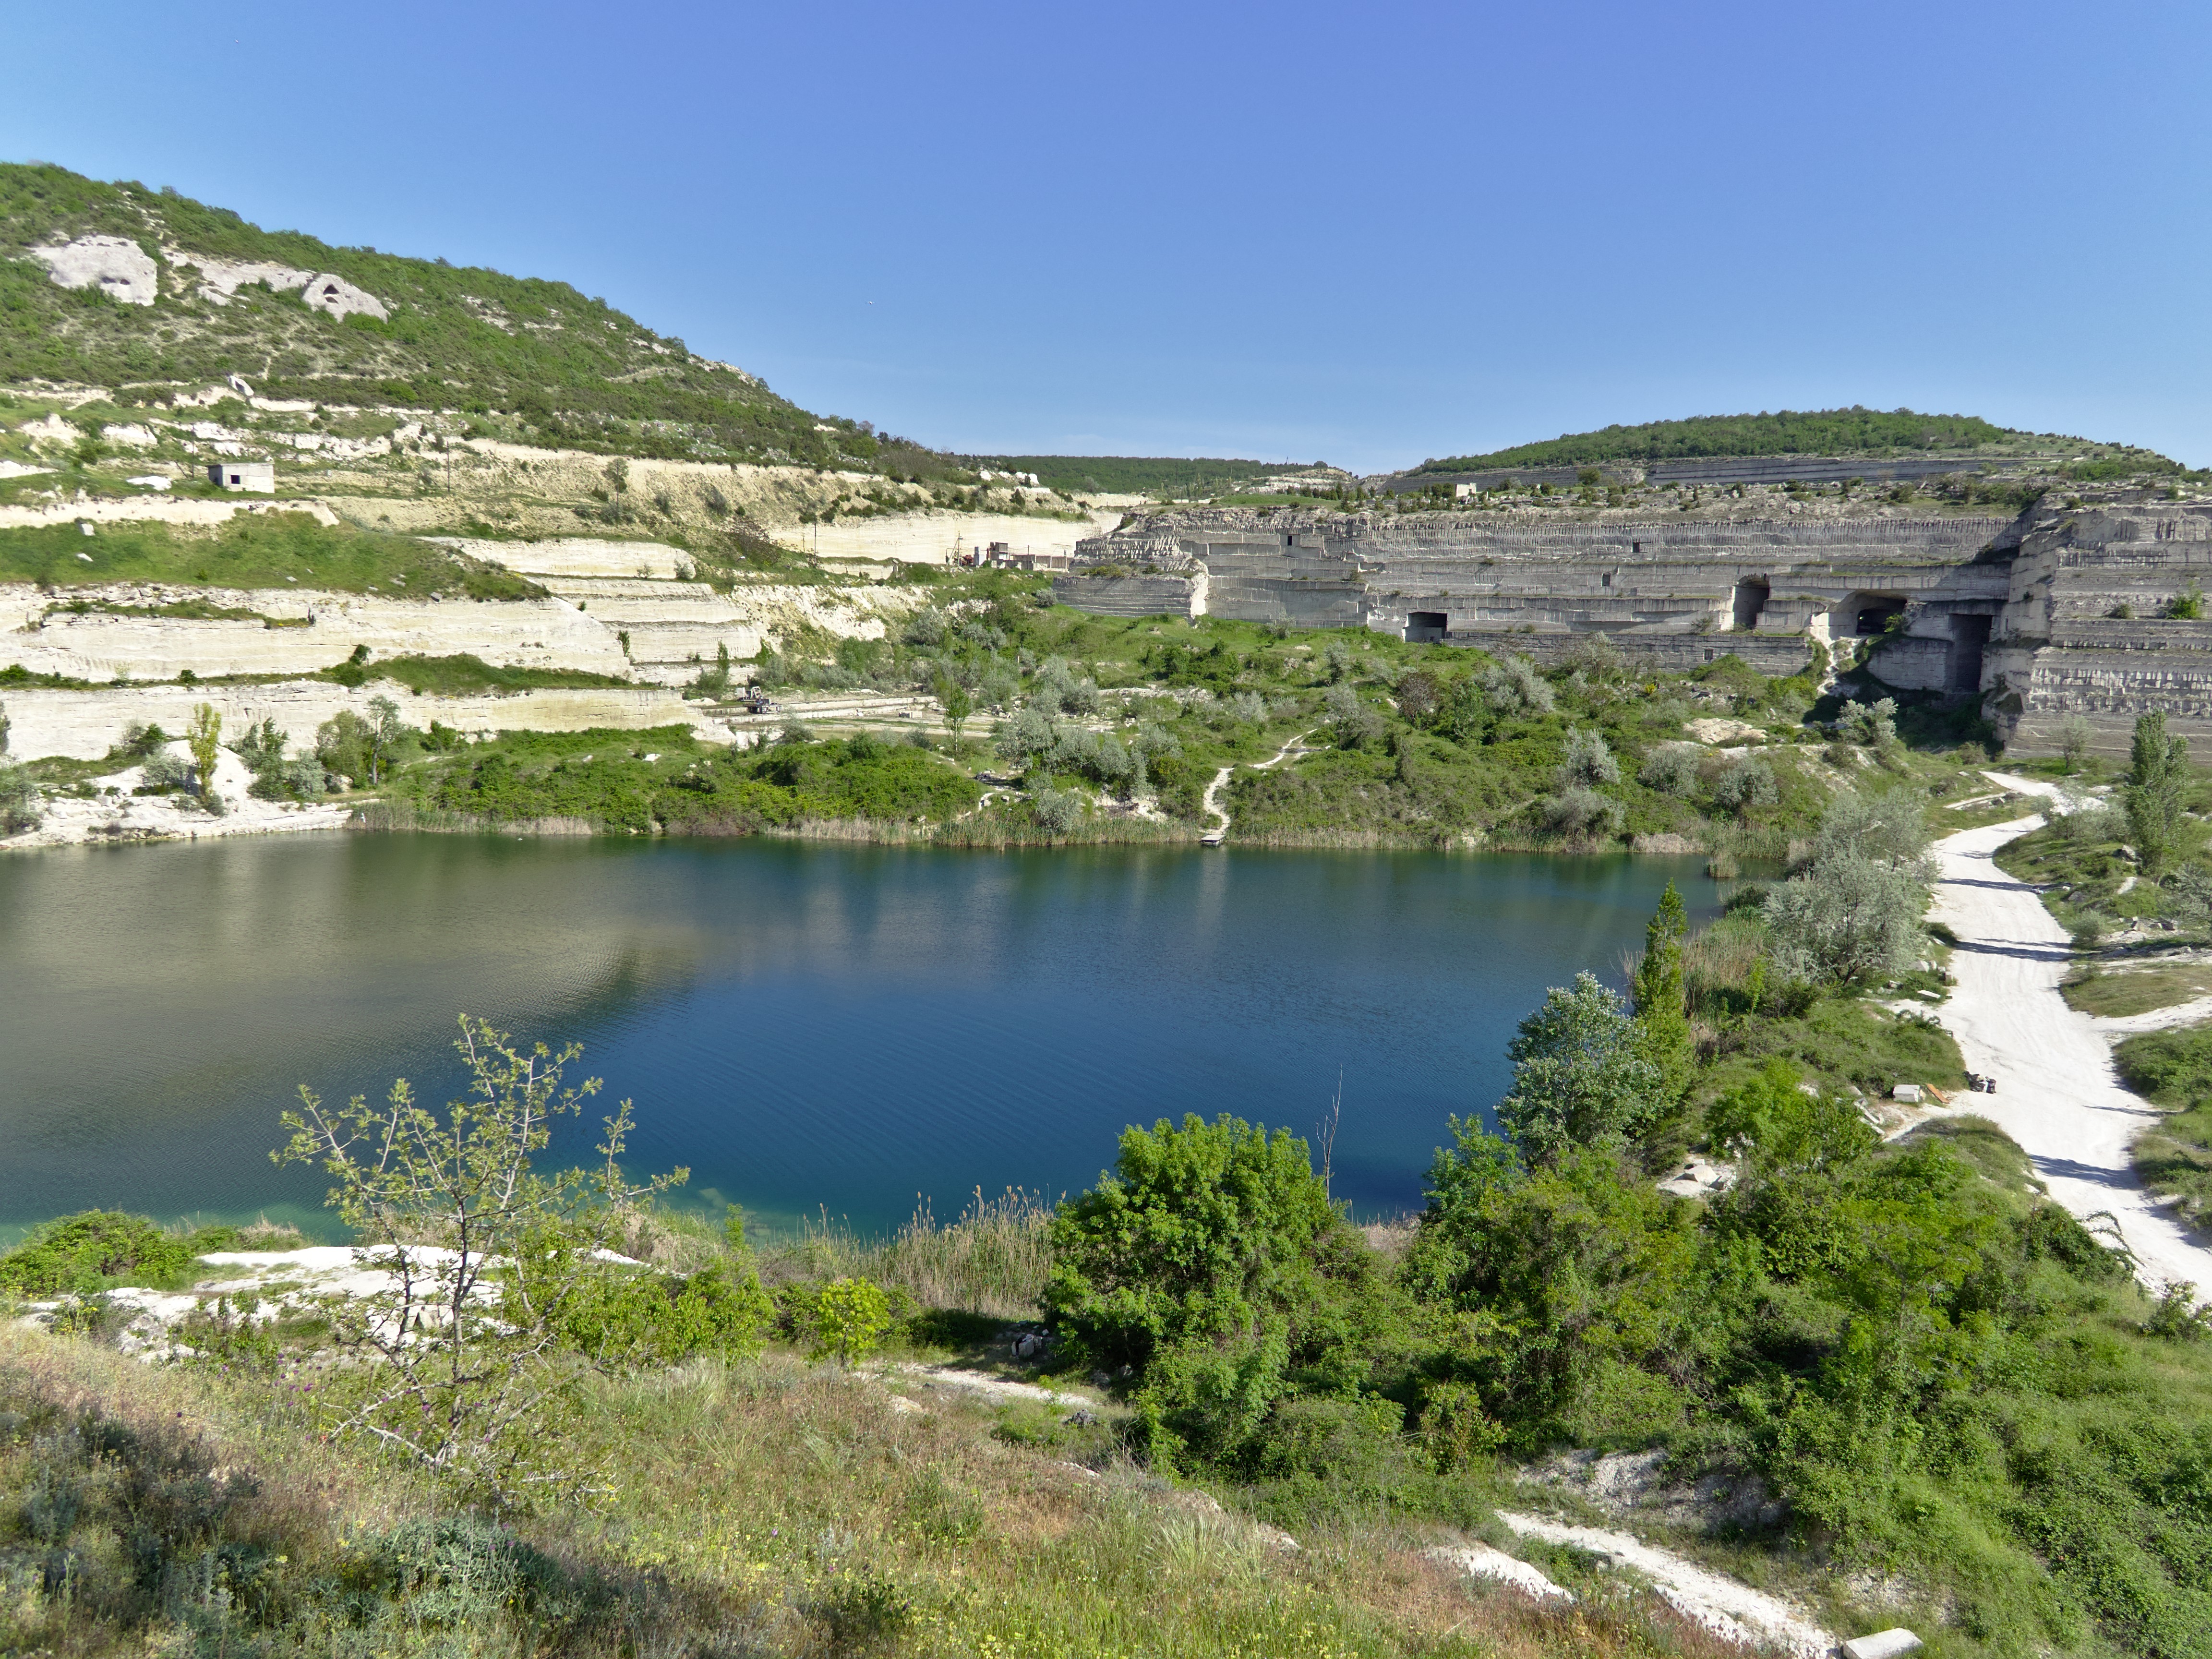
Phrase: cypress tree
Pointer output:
(1661, 1022)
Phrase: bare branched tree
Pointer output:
(479, 1255)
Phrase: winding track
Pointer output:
(2057, 1094)
(1212, 806)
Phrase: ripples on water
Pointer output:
(805, 1025)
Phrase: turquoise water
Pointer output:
(808, 1027)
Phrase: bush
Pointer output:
(1352, 723)
(20, 809)
(1514, 686)
(82, 1254)
(1672, 770)
(1579, 812)
(850, 1316)
(1744, 783)
(620, 1317)
(1580, 1074)
(1211, 1262)
(1588, 761)
(1058, 810)
(1872, 724)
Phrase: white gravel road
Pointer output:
(2057, 1094)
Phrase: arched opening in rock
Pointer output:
(1751, 595)
(1870, 612)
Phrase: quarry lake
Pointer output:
(808, 1026)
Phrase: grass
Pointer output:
(2138, 990)
(992, 1260)
(466, 674)
(2173, 1069)
(253, 550)
(773, 1508)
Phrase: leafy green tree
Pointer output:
(1560, 1278)
(204, 736)
(1212, 1262)
(1662, 1022)
(1462, 712)
(1580, 1077)
(482, 1260)
(850, 1317)
(2158, 778)
(957, 702)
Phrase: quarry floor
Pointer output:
(2058, 1095)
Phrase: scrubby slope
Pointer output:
(578, 371)
(1789, 432)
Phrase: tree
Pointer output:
(2075, 737)
(1657, 990)
(1353, 723)
(1588, 761)
(957, 702)
(384, 734)
(1212, 1262)
(482, 1258)
(1850, 920)
(1580, 1075)
(204, 736)
(850, 1316)
(2158, 775)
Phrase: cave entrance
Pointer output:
(1970, 637)
(1426, 627)
(1870, 612)
(1751, 595)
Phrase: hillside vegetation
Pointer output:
(575, 370)
(1788, 432)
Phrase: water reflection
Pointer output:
(801, 1024)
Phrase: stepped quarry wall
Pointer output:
(618, 609)
(2056, 613)
(84, 724)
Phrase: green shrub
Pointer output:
(93, 1249)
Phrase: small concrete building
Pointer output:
(258, 478)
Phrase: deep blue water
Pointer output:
(806, 1026)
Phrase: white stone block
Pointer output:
(1883, 1645)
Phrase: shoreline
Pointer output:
(146, 820)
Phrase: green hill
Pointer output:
(573, 369)
(1789, 432)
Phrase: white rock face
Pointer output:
(220, 279)
(51, 430)
(132, 436)
(115, 265)
(341, 298)
(82, 725)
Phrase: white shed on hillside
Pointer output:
(258, 476)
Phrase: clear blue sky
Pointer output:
(1368, 234)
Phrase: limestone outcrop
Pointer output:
(2091, 608)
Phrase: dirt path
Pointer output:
(2057, 1094)
(1213, 804)
(1724, 1606)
